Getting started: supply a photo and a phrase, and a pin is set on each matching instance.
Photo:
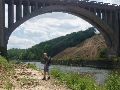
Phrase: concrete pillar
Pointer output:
(119, 28)
(44, 3)
(113, 21)
(34, 7)
(117, 32)
(109, 18)
(26, 9)
(99, 13)
(115, 49)
(19, 10)
(3, 48)
(104, 16)
(10, 13)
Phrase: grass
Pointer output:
(76, 81)
(27, 81)
(73, 81)
(6, 71)
(32, 66)
(8, 85)
(113, 82)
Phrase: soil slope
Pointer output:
(90, 48)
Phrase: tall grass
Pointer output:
(75, 81)
(32, 66)
(113, 81)
(6, 71)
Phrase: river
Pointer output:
(100, 75)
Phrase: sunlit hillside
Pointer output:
(89, 48)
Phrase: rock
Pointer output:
(15, 76)
(18, 79)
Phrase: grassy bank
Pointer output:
(113, 81)
(85, 82)
(6, 71)
(75, 81)
(8, 76)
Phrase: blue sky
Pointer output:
(47, 26)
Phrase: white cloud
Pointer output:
(47, 26)
(17, 42)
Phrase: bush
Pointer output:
(32, 66)
(75, 81)
(103, 53)
(113, 82)
(4, 64)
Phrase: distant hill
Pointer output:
(89, 49)
(52, 47)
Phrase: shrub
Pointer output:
(113, 82)
(75, 81)
(103, 53)
(32, 66)
(4, 64)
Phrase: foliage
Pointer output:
(32, 66)
(6, 71)
(75, 81)
(52, 47)
(113, 82)
(27, 81)
(8, 85)
(84, 82)
(5, 65)
(103, 53)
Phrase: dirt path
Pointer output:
(29, 79)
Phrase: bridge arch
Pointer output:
(90, 17)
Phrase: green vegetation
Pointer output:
(113, 82)
(32, 66)
(6, 71)
(103, 53)
(8, 76)
(52, 47)
(85, 82)
(75, 81)
(27, 81)
(8, 85)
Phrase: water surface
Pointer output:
(100, 75)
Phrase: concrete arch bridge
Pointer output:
(104, 16)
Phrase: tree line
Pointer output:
(52, 47)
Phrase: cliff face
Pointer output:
(90, 48)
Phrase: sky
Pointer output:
(47, 26)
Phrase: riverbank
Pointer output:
(100, 63)
(25, 77)
(28, 77)
(76, 81)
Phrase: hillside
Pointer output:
(52, 47)
(89, 48)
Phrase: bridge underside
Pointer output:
(104, 17)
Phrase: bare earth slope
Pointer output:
(90, 48)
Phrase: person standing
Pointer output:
(46, 67)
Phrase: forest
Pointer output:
(52, 47)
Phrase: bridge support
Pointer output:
(19, 11)
(3, 45)
(115, 49)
